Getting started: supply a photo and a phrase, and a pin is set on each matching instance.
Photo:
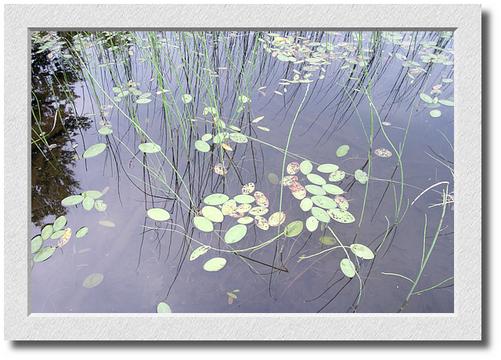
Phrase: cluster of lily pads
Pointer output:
(58, 231)
(90, 199)
(131, 89)
(433, 102)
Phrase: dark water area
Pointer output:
(365, 89)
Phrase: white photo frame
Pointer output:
(466, 321)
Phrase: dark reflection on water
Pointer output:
(146, 262)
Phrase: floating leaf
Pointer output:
(235, 234)
(158, 214)
(59, 223)
(65, 238)
(100, 205)
(262, 128)
(94, 194)
(258, 119)
(341, 202)
(435, 113)
(342, 150)
(57, 234)
(44, 253)
(337, 175)
(149, 147)
(315, 179)
(244, 198)
(426, 98)
(333, 189)
(323, 202)
(94, 150)
(342, 216)
(93, 280)
(261, 222)
(212, 213)
(36, 243)
(315, 189)
(276, 219)
(320, 214)
(105, 130)
(293, 168)
(446, 102)
(186, 98)
(107, 223)
(327, 168)
(248, 188)
(294, 228)
(216, 199)
(203, 224)
(143, 100)
(298, 190)
(327, 240)
(238, 138)
(220, 137)
(261, 199)
(88, 203)
(82, 232)
(289, 180)
(246, 220)
(229, 207)
(347, 267)
(306, 204)
(361, 176)
(202, 146)
(215, 264)
(311, 224)
(206, 137)
(258, 211)
(199, 251)
(306, 167)
(47, 231)
(362, 251)
(163, 308)
(72, 200)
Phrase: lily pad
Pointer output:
(306, 167)
(202, 146)
(199, 251)
(47, 231)
(306, 204)
(323, 202)
(100, 205)
(88, 203)
(72, 200)
(327, 168)
(149, 148)
(342, 150)
(203, 224)
(316, 179)
(94, 194)
(59, 223)
(81, 232)
(57, 234)
(361, 176)
(238, 138)
(244, 199)
(44, 253)
(246, 220)
(311, 224)
(186, 98)
(93, 280)
(158, 214)
(426, 98)
(163, 308)
(342, 216)
(105, 130)
(212, 213)
(235, 234)
(144, 100)
(347, 267)
(276, 219)
(315, 189)
(215, 264)
(94, 150)
(294, 228)
(435, 113)
(216, 199)
(320, 214)
(36, 243)
(362, 251)
(333, 189)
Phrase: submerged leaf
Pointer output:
(435, 113)
(294, 228)
(93, 280)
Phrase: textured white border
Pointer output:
(464, 324)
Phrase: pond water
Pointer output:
(122, 118)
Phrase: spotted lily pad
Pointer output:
(276, 219)
(293, 168)
(261, 199)
(342, 216)
(248, 188)
(382, 152)
(337, 175)
(361, 176)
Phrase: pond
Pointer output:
(242, 172)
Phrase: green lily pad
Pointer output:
(206, 137)
(426, 98)
(88, 203)
(212, 213)
(186, 98)
(57, 234)
(323, 202)
(294, 228)
(81, 232)
(333, 189)
(163, 308)
(203, 224)
(94, 150)
(105, 130)
(244, 199)
(362, 251)
(216, 199)
(72, 200)
(306, 204)
(144, 100)
(202, 146)
(100, 205)
(93, 280)
(435, 113)
(199, 251)
(149, 148)
(59, 223)
(36, 243)
(446, 102)
(215, 264)
(337, 175)
(327, 168)
(347, 267)
(316, 179)
(44, 253)
(158, 214)
(47, 231)
(238, 138)
(361, 176)
(315, 189)
(305, 167)
(235, 234)
(94, 194)
(311, 224)
(342, 150)
(320, 214)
